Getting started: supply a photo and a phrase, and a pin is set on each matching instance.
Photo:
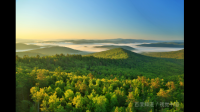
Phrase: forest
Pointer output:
(115, 80)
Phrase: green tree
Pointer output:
(49, 90)
(59, 92)
(60, 84)
(104, 90)
(113, 101)
(59, 109)
(53, 102)
(69, 94)
(37, 95)
(25, 105)
(44, 106)
(69, 107)
(78, 101)
(41, 77)
(130, 107)
(130, 98)
(101, 103)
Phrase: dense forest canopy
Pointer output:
(109, 81)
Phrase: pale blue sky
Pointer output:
(100, 19)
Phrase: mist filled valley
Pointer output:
(99, 77)
(86, 47)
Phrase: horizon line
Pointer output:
(98, 39)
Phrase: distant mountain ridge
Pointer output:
(164, 44)
(27, 40)
(173, 54)
(22, 46)
(115, 46)
(116, 41)
(55, 50)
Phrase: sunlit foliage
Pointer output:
(74, 83)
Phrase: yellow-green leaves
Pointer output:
(104, 90)
(163, 93)
(34, 92)
(137, 92)
(59, 92)
(60, 84)
(53, 102)
(155, 83)
(113, 100)
(171, 85)
(83, 88)
(130, 97)
(69, 94)
(100, 103)
(78, 101)
(44, 107)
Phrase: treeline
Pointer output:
(126, 64)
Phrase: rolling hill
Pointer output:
(116, 53)
(21, 54)
(141, 63)
(22, 46)
(27, 40)
(116, 61)
(173, 54)
(114, 46)
(117, 58)
(56, 50)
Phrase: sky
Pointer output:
(100, 19)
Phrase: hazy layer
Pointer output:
(26, 49)
(155, 49)
(91, 47)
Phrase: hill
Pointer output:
(27, 40)
(22, 46)
(21, 54)
(113, 46)
(56, 50)
(173, 54)
(164, 44)
(116, 53)
(140, 63)
(117, 61)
